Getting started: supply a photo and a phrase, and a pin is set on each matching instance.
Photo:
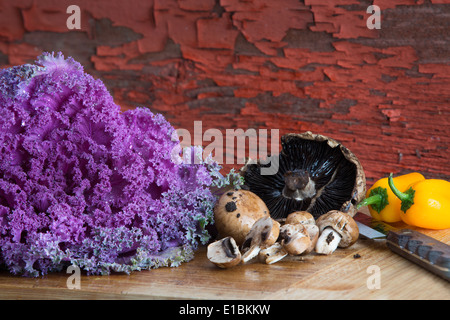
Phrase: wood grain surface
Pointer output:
(346, 274)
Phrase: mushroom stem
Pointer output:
(298, 185)
(297, 179)
(250, 253)
(273, 254)
(328, 241)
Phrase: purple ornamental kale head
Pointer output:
(83, 183)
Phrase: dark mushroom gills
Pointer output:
(315, 174)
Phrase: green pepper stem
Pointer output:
(378, 199)
(370, 200)
(402, 196)
(406, 197)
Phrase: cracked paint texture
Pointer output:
(289, 65)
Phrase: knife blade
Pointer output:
(425, 251)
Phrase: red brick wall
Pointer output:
(286, 64)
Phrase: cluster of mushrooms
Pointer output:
(305, 206)
(252, 232)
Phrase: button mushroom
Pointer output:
(307, 220)
(336, 229)
(295, 238)
(303, 217)
(263, 234)
(235, 213)
(315, 174)
(224, 253)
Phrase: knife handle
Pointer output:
(421, 249)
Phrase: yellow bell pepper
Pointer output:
(382, 203)
(425, 203)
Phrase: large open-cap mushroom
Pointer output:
(336, 229)
(315, 174)
(235, 213)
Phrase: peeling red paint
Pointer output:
(217, 33)
(289, 65)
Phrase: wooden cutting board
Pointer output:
(367, 270)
